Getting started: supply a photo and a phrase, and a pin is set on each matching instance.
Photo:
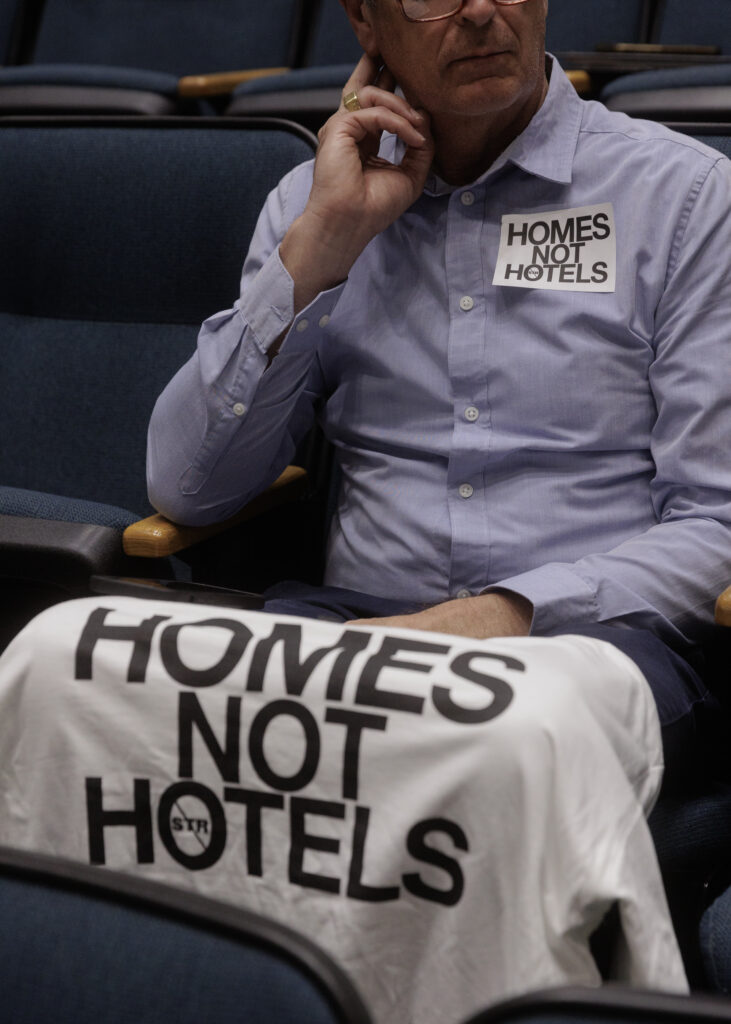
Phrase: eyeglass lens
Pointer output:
(432, 10)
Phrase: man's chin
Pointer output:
(481, 96)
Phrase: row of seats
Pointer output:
(222, 35)
(583, 27)
(292, 57)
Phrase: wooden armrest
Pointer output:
(723, 608)
(157, 537)
(220, 83)
(683, 49)
(581, 81)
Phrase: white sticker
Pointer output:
(560, 250)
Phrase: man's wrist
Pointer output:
(500, 613)
(315, 260)
(514, 606)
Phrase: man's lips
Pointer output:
(477, 56)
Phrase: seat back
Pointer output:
(707, 24)
(610, 1005)
(332, 39)
(176, 36)
(9, 17)
(575, 25)
(80, 945)
(119, 238)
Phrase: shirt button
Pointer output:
(323, 321)
(302, 325)
(239, 409)
(466, 490)
(466, 303)
(464, 593)
(467, 198)
(471, 413)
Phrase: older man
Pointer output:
(509, 309)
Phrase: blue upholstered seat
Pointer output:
(86, 88)
(332, 40)
(305, 95)
(693, 93)
(81, 945)
(575, 25)
(8, 11)
(704, 23)
(118, 241)
(609, 1005)
(715, 932)
(311, 93)
(126, 57)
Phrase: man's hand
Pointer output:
(489, 615)
(355, 194)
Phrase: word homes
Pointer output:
(560, 250)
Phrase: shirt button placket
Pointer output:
(466, 332)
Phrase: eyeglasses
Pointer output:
(435, 10)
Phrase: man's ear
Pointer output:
(360, 15)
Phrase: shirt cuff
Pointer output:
(559, 596)
(268, 303)
(268, 306)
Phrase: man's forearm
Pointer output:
(483, 617)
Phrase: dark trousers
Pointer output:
(689, 714)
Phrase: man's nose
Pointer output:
(478, 12)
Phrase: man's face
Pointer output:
(485, 59)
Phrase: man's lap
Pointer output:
(685, 706)
(457, 778)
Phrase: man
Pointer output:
(509, 315)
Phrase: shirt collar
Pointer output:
(545, 148)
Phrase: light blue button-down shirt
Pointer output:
(570, 445)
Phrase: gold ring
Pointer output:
(351, 101)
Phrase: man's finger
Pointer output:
(374, 96)
(364, 73)
(374, 120)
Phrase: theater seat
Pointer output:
(81, 945)
(698, 93)
(112, 57)
(610, 1005)
(120, 238)
(311, 93)
(576, 26)
(707, 23)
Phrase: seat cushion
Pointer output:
(669, 78)
(715, 937)
(15, 501)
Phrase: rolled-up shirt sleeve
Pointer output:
(666, 578)
(228, 422)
